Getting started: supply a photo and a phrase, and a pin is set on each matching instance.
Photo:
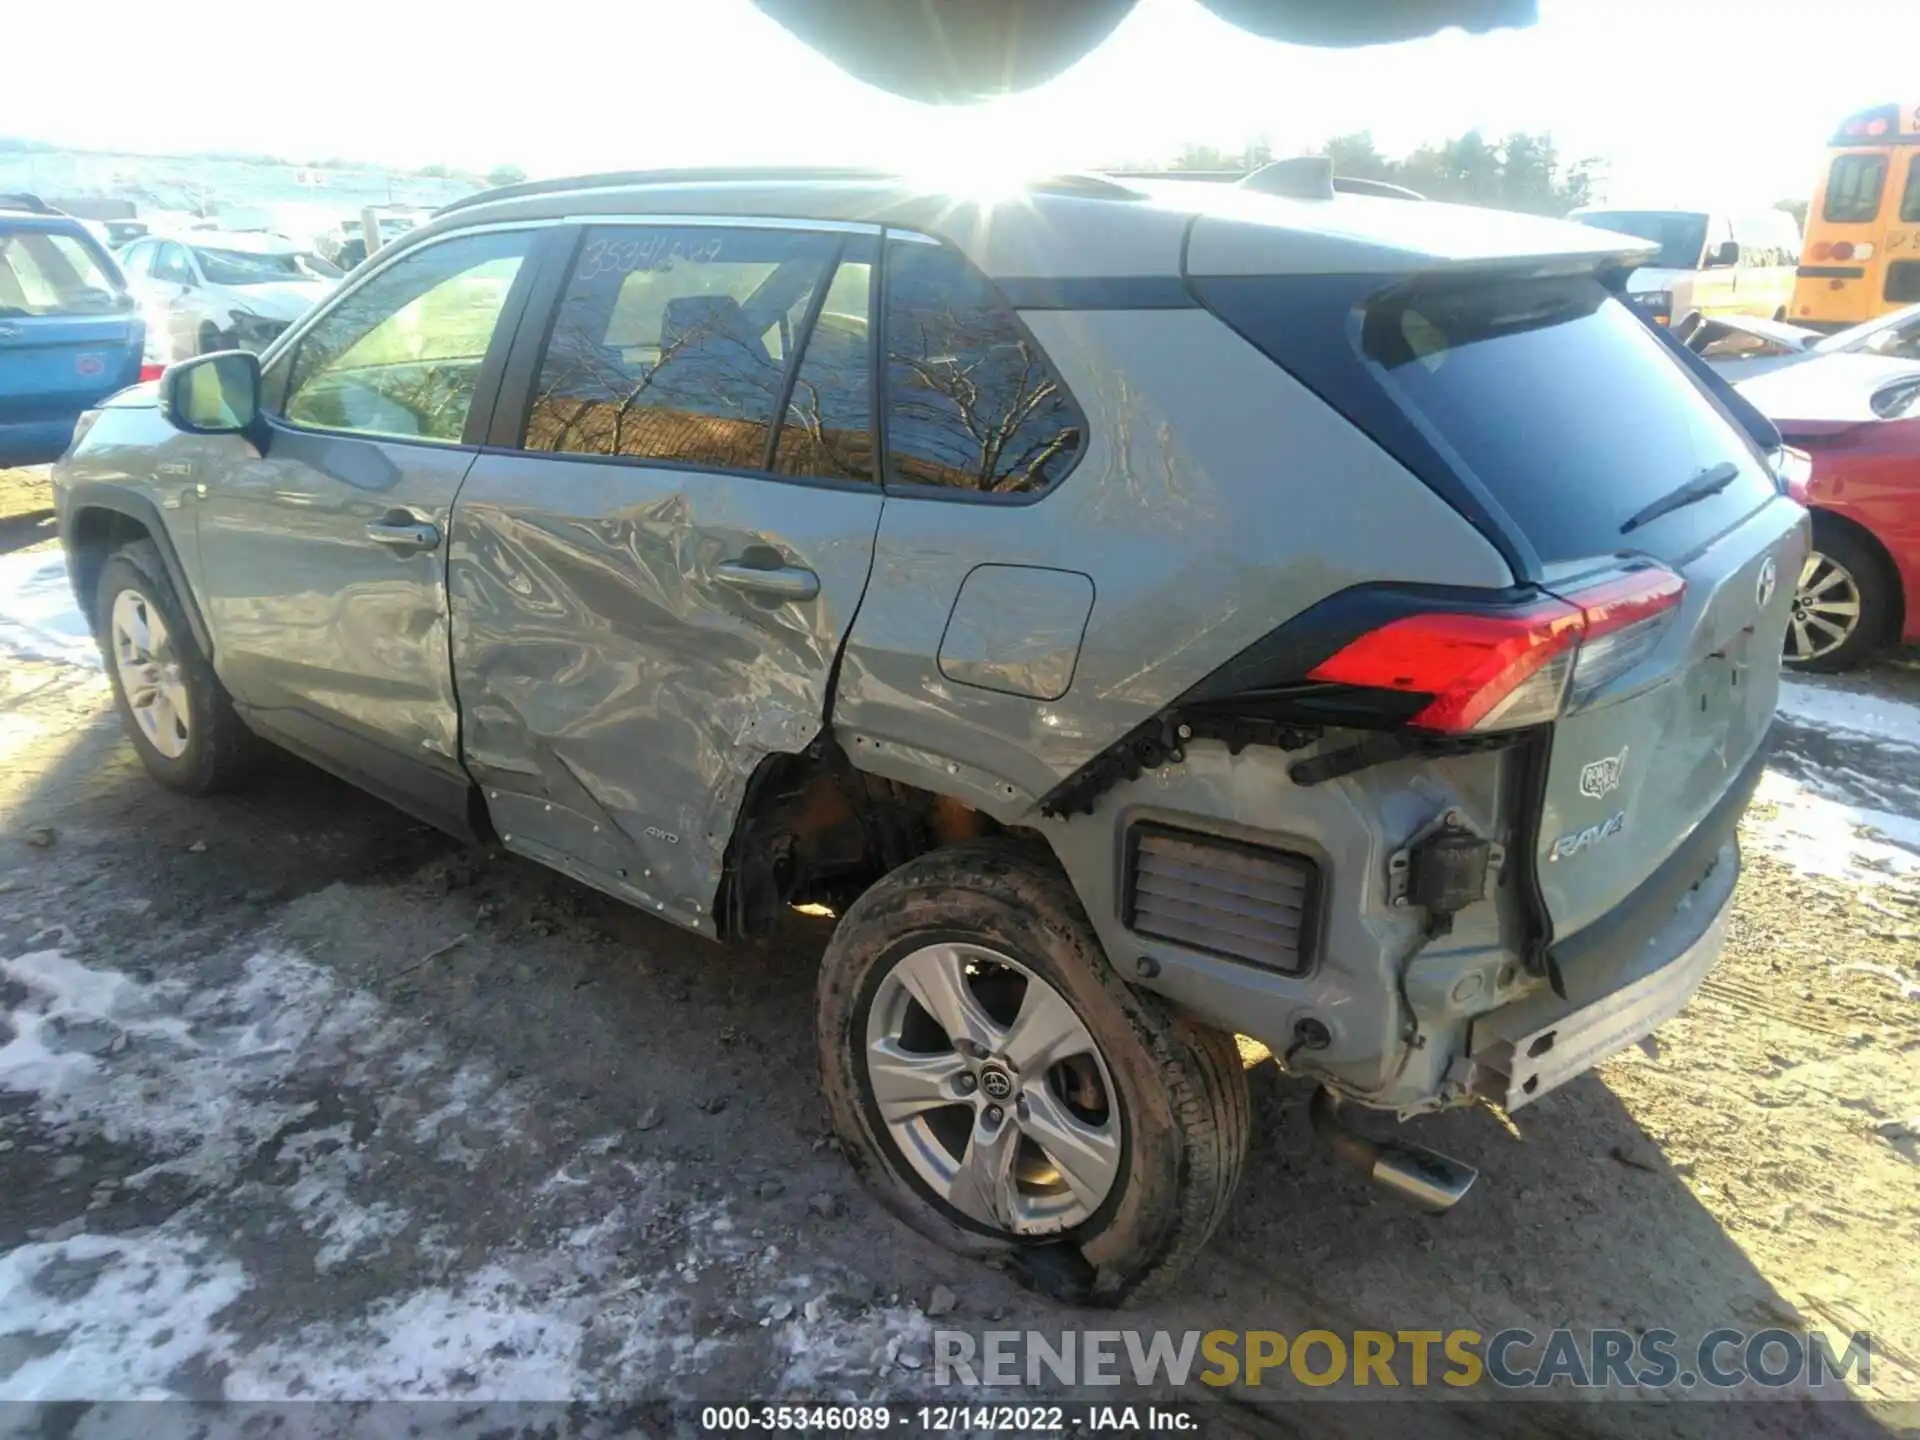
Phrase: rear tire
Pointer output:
(177, 713)
(1845, 583)
(1165, 1099)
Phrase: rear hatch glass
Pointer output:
(1567, 411)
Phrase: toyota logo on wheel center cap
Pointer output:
(995, 1083)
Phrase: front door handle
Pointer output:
(784, 582)
(404, 534)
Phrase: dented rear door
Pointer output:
(650, 578)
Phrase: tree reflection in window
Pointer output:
(828, 428)
(972, 404)
(671, 343)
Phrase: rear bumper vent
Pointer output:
(1239, 901)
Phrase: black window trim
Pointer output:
(486, 388)
(907, 490)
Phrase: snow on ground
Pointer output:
(1821, 835)
(247, 1094)
(38, 618)
(1880, 718)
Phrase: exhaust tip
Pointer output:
(1434, 1182)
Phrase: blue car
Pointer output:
(70, 334)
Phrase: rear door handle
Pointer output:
(785, 582)
(404, 534)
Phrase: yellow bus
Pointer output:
(1861, 255)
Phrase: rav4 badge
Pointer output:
(1567, 846)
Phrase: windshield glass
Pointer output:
(1680, 234)
(248, 267)
(43, 273)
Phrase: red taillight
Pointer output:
(151, 372)
(1626, 600)
(1842, 250)
(1499, 671)
(1471, 665)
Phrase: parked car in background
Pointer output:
(349, 242)
(208, 290)
(1740, 347)
(1856, 416)
(70, 334)
(727, 549)
(1710, 262)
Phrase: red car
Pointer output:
(1857, 418)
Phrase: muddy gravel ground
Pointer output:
(298, 1099)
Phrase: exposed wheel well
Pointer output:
(813, 829)
(1830, 522)
(95, 534)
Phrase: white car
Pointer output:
(208, 290)
(1709, 264)
(1741, 348)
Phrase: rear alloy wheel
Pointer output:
(1007, 1094)
(1840, 601)
(992, 1089)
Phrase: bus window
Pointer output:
(1853, 188)
(1910, 202)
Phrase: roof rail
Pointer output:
(23, 200)
(616, 179)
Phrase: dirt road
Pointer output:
(298, 1099)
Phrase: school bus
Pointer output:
(1861, 257)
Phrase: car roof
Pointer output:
(1068, 226)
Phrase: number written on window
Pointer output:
(671, 343)
(400, 355)
(972, 404)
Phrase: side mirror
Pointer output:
(216, 394)
(1725, 254)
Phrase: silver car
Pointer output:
(1143, 616)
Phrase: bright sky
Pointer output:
(1695, 101)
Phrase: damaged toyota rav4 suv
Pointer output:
(1144, 614)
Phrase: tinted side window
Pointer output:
(971, 402)
(400, 355)
(1910, 198)
(828, 428)
(671, 343)
(1853, 188)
